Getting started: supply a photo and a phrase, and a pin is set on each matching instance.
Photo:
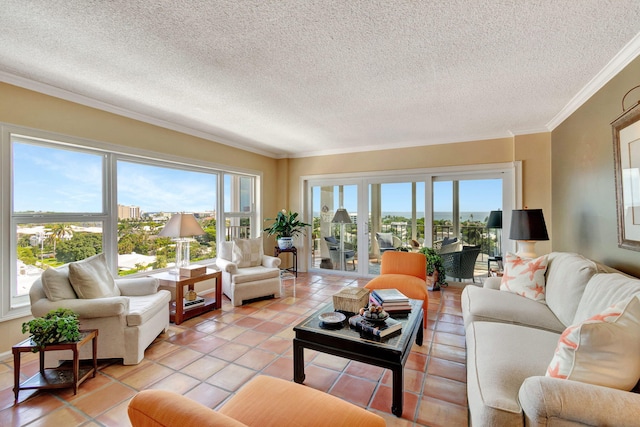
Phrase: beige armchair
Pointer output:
(247, 273)
(128, 313)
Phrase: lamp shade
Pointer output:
(181, 225)
(341, 217)
(495, 219)
(528, 224)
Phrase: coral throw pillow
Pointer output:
(602, 350)
(247, 252)
(524, 276)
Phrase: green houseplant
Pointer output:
(285, 227)
(55, 327)
(435, 268)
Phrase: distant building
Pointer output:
(128, 212)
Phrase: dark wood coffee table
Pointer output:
(390, 353)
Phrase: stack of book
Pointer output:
(392, 301)
(375, 329)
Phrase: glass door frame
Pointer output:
(510, 172)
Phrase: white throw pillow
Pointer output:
(56, 284)
(524, 276)
(91, 278)
(247, 252)
(602, 350)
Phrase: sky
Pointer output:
(55, 180)
(475, 195)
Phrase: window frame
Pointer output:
(12, 306)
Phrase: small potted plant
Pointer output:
(436, 274)
(55, 327)
(286, 226)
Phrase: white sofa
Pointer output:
(511, 341)
(250, 275)
(127, 322)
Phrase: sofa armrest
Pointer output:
(492, 283)
(226, 265)
(85, 308)
(546, 400)
(138, 286)
(270, 261)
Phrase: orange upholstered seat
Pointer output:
(264, 401)
(406, 272)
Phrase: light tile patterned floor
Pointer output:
(210, 357)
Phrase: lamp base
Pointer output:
(526, 249)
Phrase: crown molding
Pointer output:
(103, 106)
(628, 53)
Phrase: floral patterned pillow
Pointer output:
(602, 350)
(525, 276)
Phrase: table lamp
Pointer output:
(527, 227)
(495, 221)
(181, 228)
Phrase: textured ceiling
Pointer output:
(293, 78)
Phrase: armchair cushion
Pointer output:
(251, 274)
(385, 240)
(90, 278)
(247, 252)
(137, 286)
(56, 284)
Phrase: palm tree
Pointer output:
(57, 232)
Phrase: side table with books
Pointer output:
(187, 305)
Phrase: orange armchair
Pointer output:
(406, 272)
(264, 401)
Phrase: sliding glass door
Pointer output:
(357, 219)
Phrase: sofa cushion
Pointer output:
(602, 350)
(56, 284)
(524, 276)
(492, 305)
(143, 308)
(567, 277)
(247, 252)
(251, 274)
(91, 278)
(500, 357)
(604, 290)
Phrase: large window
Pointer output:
(148, 194)
(64, 200)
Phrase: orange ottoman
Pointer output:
(264, 401)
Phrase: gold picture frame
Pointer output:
(626, 153)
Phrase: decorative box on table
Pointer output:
(193, 270)
(351, 299)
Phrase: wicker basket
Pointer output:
(351, 299)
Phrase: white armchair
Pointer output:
(128, 313)
(246, 272)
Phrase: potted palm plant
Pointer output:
(285, 227)
(436, 274)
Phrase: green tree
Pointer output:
(79, 247)
(57, 233)
(26, 255)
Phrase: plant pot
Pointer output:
(432, 282)
(285, 242)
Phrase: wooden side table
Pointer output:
(60, 377)
(178, 313)
(294, 268)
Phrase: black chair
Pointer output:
(334, 253)
(461, 264)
